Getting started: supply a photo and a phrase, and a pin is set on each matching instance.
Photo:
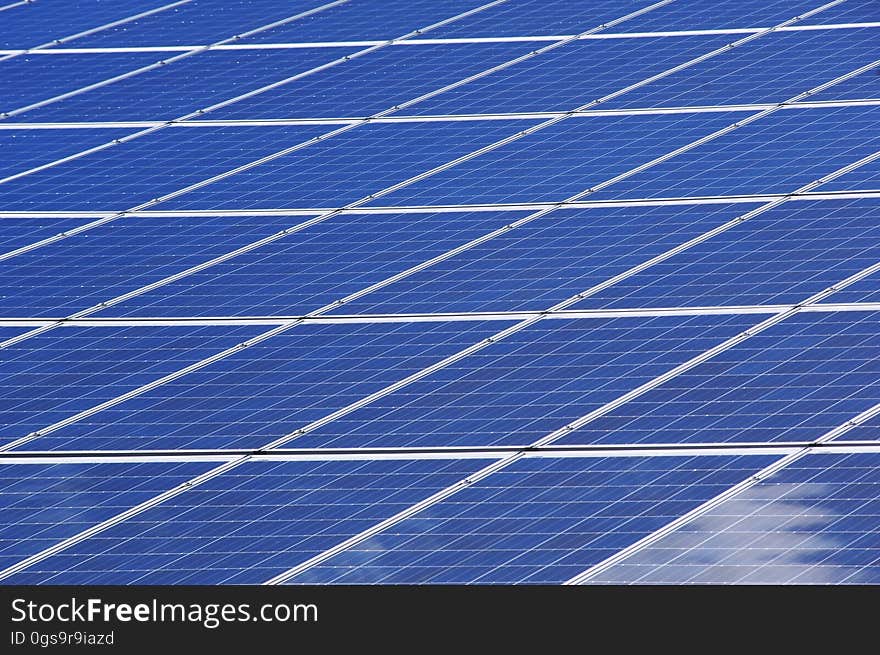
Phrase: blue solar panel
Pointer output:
(540, 520)
(137, 171)
(184, 86)
(863, 86)
(538, 17)
(23, 149)
(863, 178)
(546, 261)
(700, 15)
(362, 19)
(773, 68)
(40, 22)
(527, 385)
(568, 76)
(18, 232)
(102, 263)
(781, 256)
(263, 392)
(553, 163)
(375, 82)
(852, 11)
(250, 523)
(33, 78)
(315, 266)
(198, 22)
(812, 522)
(777, 154)
(49, 377)
(348, 167)
(793, 382)
(43, 504)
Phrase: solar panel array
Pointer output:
(403, 291)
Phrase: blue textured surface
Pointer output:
(49, 377)
(24, 149)
(100, 264)
(546, 261)
(781, 256)
(137, 171)
(40, 22)
(776, 154)
(863, 178)
(270, 389)
(701, 15)
(529, 384)
(568, 76)
(348, 167)
(813, 522)
(315, 266)
(540, 520)
(183, 86)
(865, 85)
(250, 523)
(18, 232)
(852, 11)
(772, 68)
(561, 160)
(793, 382)
(377, 81)
(43, 504)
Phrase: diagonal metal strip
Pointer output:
(100, 28)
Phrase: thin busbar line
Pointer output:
(549, 439)
(43, 47)
(438, 118)
(449, 41)
(17, 4)
(164, 62)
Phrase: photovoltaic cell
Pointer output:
(852, 11)
(699, 15)
(348, 167)
(197, 23)
(315, 266)
(553, 163)
(792, 382)
(528, 384)
(51, 376)
(568, 76)
(863, 86)
(780, 256)
(362, 19)
(183, 86)
(102, 263)
(540, 520)
(374, 82)
(776, 154)
(137, 171)
(33, 78)
(18, 232)
(270, 389)
(37, 23)
(812, 522)
(863, 178)
(546, 261)
(43, 504)
(537, 17)
(250, 523)
(773, 68)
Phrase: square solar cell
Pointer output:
(316, 266)
(776, 154)
(137, 171)
(183, 86)
(23, 231)
(813, 522)
(270, 389)
(795, 381)
(51, 376)
(569, 76)
(546, 261)
(250, 523)
(540, 520)
(772, 68)
(43, 504)
(24, 149)
(103, 263)
(524, 386)
(563, 159)
(781, 256)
